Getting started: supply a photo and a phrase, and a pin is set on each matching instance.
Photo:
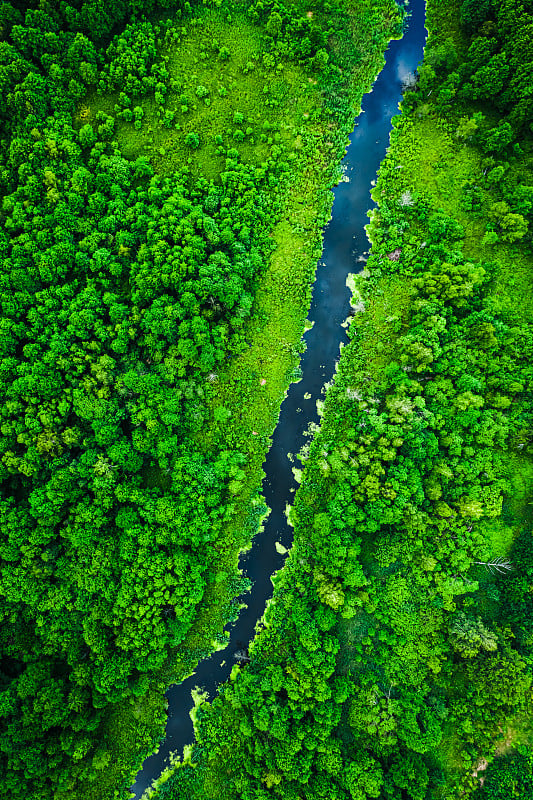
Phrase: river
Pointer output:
(345, 250)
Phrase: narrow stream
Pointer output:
(345, 248)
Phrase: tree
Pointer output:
(364, 776)
(512, 226)
(469, 635)
(474, 13)
(320, 60)
(274, 24)
(192, 140)
(496, 139)
(508, 776)
(467, 128)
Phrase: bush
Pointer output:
(192, 140)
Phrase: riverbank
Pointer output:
(351, 201)
(242, 399)
(164, 187)
(395, 653)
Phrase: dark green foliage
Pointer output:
(516, 591)
(508, 778)
(192, 140)
(123, 295)
(474, 13)
(500, 62)
(380, 650)
(117, 302)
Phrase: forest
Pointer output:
(165, 174)
(395, 657)
(151, 290)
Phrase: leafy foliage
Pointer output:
(127, 289)
(508, 777)
(388, 644)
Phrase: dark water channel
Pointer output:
(345, 249)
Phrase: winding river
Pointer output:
(345, 250)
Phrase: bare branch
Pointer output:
(500, 565)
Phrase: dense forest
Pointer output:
(395, 658)
(165, 170)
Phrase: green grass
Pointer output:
(382, 323)
(278, 103)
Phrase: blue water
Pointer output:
(345, 248)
